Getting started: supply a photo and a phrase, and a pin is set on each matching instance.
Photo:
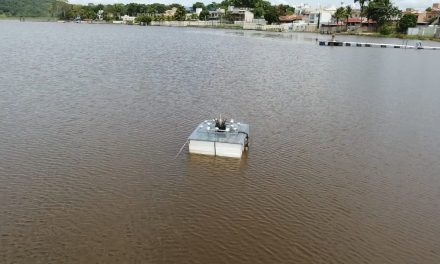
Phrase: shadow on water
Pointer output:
(295, 36)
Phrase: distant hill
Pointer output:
(29, 8)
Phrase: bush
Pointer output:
(407, 21)
(386, 29)
(144, 19)
(204, 15)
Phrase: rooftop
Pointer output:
(290, 18)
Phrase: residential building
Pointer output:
(128, 19)
(216, 14)
(355, 13)
(199, 10)
(421, 16)
(356, 23)
(424, 18)
(353, 21)
(170, 12)
(241, 14)
(434, 13)
(320, 16)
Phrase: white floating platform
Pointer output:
(208, 140)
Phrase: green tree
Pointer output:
(339, 14)
(132, 9)
(271, 15)
(362, 5)
(156, 8)
(212, 6)
(407, 21)
(198, 5)
(144, 19)
(225, 3)
(382, 11)
(204, 15)
(59, 9)
(258, 12)
(175, 5)
(30, 8)
(194, 16)
(109, 12)
(96, 8)
(386, 29)
(244, 3)
(228, 16)
(285, 10)
(119, 9)
(260, 8)
(429, 9)
(180, 14)
(348, 12)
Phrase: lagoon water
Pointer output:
(343, 166)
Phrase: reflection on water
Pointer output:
(274, 35)
(342, 168)
(216, 165)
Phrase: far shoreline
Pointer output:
(227, 26)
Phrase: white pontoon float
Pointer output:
(220, 137)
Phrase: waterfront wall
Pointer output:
(429, 31)
(282, 28)
(247, 26)
(192, 24)
(252, 26)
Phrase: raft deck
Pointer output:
(208, 140)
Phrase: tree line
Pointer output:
(29, 8)
(148, 12)
(382, 12)
(386, 16)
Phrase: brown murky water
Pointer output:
(343, 165)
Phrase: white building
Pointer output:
(100, 14)
(198, 11)
(128, 19)
(170, 12)
(301, 9)
(243, 14)
(320, 15)
(217, 14)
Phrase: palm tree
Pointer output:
(362, 4)
(340, 13)
(348, 12)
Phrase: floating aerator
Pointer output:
(220, 137)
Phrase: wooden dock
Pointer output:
(372, 45)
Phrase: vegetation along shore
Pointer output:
(378, 18)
